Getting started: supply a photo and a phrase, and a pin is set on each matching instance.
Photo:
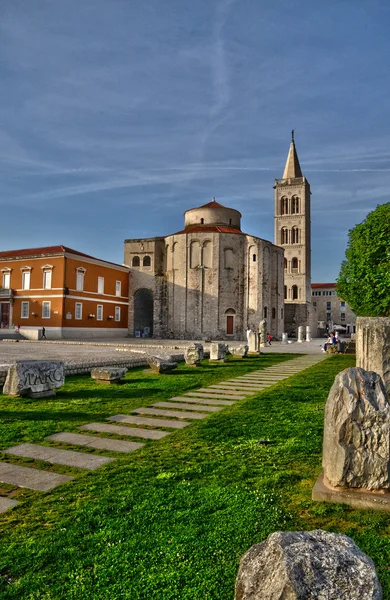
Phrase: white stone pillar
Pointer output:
(252, 341)
(308, 333)
(300, 334)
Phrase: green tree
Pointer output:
(364, 279)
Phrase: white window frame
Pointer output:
(118, 288)
(23, 305)
(46, 307)
(26, 279)
(6, 280)
(80, 273)
(78, 305)
(47, 279)
(99, 312)
(117, 313)
(100, 288)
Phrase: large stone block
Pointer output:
(373, 346)
(108, 374)
(356, 450)
(218, 351)
(160, 364)
(240, 351)
(307, 565)
(193, 355)
(34, 378)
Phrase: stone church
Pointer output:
(211, 280)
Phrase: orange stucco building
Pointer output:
(66, 292)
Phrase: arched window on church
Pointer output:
(202, 221)
(294, 290)
(206, 251)
(285, 264)
(284, 206)
(285, 292)
(295, 205)
(254, 257)
(135, 261)
(284, 235)
(265, 311)
(228, 258)
(194, 255)
(294, 265)
(146, 261)
(274, 313)
(295, 235)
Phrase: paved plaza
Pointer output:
(76, 352)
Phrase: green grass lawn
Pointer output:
(171, 520)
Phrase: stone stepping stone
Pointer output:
(149, 421)
(226, 388)
(214, 390)
(34, 479)
(59, 457)
(149, 434)
(78, 439)
(210, 394)
(6, 504)
(245, 386)
(187, 406)
(170, 413)
(264, 376)
(195, 400)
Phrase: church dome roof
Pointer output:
(213, 214)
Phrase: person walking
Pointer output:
(43, 336)
(269, 338)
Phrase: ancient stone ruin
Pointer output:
(252, 342)
(34, 378)
(108, 374)
(218, 351)
(193, 355)
(373, 346)
(161, 364)
(239, 351)
(356, 449)
(307, 565)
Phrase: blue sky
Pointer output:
(118, 115)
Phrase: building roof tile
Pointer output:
(209, 229)
(46, 251)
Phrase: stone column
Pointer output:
(252, 341)
(284, 338)
(373, 346)
(308, 333)
(300, 334)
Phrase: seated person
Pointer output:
(331, 341)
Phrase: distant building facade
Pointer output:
(67, 292)
(210, 280)
(330, 310)
(292, 233)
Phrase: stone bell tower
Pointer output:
(292, 232)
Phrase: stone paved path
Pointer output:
(59, 457)
(34, 479)
(149, 434)
(78, 439)
(178, 412)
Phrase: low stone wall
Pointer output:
(131, 363)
